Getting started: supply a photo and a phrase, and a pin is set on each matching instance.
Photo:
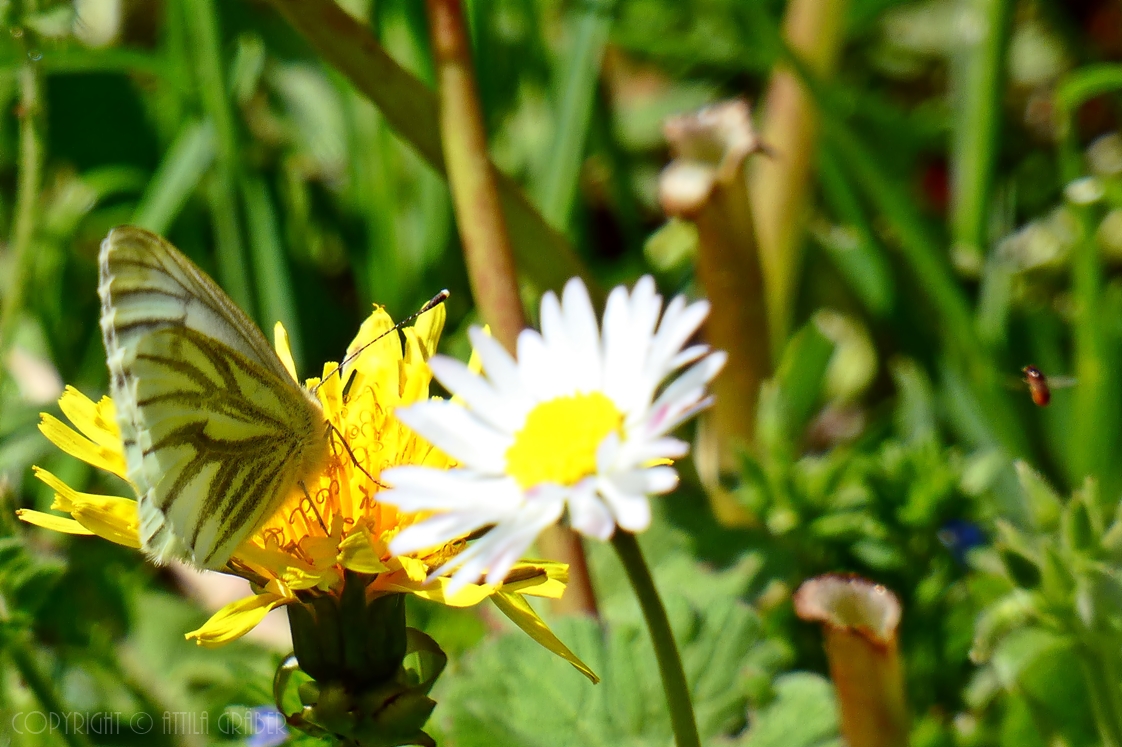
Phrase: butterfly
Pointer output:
(216, 432)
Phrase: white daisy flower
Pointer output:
(577, 424)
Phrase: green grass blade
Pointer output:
(179, 174)
(270, 265)
(557, 185)
(202, 28)
(974, 154)
(411, 110)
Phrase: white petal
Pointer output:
(652, 480)
(678, 326)
(434, 531)
(588, 514)
(539, 370)
(583, 335)
(689, 355)
(567, 362)
(497, 363)
(637, 452)
(477, 393)
(459, 433)
(551, 322)
(684, 392)
(431, 489)
(501, 547)
(632, 510)
(617, 321)
(628, 325)
(607, 453)
(646, 305)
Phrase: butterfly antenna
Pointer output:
(432, 303)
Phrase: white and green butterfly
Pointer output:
(216, 432)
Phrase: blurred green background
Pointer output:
(938, 203)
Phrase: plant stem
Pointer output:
(666, 651)
(977, 125)
(471, 176)
(411, 110)
(27, 190)
(781, 186)
(487, 250)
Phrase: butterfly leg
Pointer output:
(315, 510)
(354, 459)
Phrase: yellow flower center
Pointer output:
(558, 443)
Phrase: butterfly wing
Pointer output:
(216, 433)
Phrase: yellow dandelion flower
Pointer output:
(304, 549)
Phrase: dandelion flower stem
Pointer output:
(666, 651)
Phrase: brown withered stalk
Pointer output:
(859, 620)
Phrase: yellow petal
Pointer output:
(538, 578)
(428, 328)
(109, 517)
(356, 553)
(269, 562)
(284, 350)
(324, 579)
(415, 569)
(522, 614)
(415, 383)
(76, 445)
(52, 522)
(468, 596)
(236, 619)
(97, 422)
(381, 352)
(114, 519)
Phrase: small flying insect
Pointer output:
(1040, 387)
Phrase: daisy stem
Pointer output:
(666, 651)
(474, 183)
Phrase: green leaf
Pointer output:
(1043, 502)
(803, 714)
(801, 375)
(511, 691)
